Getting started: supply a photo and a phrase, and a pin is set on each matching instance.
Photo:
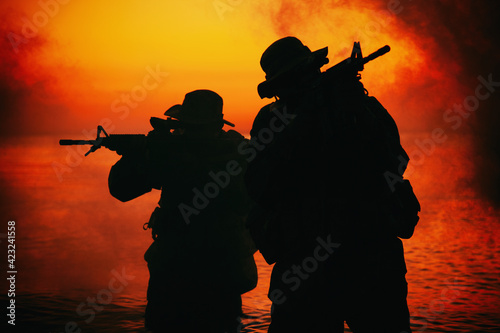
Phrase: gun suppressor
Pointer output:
(380, 52)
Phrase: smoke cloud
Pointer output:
(450, 44)
(466, 33)
(27, 103)
(439, 49)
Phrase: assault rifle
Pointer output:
(161, 138)
(351, 65)
(121, 142)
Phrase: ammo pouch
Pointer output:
(404, 209)
(156, 222)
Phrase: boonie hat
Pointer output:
(284, 55)
(200, 107)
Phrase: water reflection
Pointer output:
(72, 234)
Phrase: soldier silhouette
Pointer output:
(330, 200)
(201, 260)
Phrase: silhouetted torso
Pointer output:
(321, 180)
(202, 258)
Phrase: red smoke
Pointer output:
(26, 97)
(455, 43)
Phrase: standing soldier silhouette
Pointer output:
(330, 200)
(201, 260)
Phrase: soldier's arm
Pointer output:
(128, 178)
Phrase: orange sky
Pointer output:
(92, 52)
(69, 65)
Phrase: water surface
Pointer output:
(73, 238)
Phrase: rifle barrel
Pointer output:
(380, 52)
(75, 142)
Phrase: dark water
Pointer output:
(73, 241)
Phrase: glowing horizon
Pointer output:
(101, 51)
(68, 66)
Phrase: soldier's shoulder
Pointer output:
(263, 117)
(231, 134)
(379, 110)
(268, 108)
(232, 138)
(373, 101)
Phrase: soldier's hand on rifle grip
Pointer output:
(130, 145)
(113, 144)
